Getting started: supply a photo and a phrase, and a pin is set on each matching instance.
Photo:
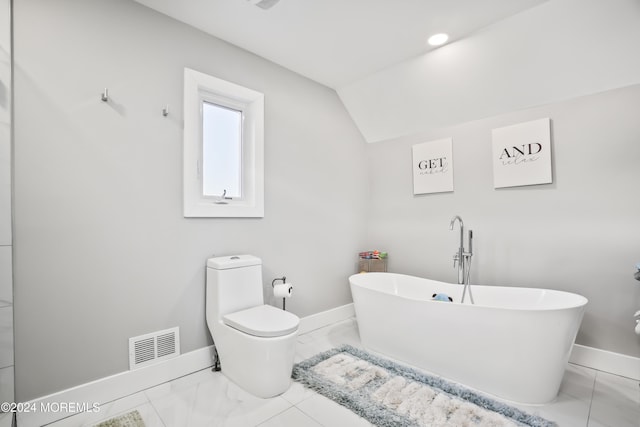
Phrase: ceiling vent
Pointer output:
(264, 4)
(153, 348)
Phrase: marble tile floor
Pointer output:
(588, 398)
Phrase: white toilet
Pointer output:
(255, 342)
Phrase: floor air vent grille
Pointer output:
(152, 348)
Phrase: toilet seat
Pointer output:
(263, 321)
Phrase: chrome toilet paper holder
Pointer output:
(273, 285)
(273, 282)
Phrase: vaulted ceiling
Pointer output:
(338, 42)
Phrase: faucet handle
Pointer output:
(456, 259)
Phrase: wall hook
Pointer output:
(105, 95)
(165, 111)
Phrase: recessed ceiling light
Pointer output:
(438, 39)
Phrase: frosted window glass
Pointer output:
(221, 151)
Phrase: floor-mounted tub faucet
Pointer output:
(462, 258)
(458, 259)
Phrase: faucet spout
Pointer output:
(453, 221)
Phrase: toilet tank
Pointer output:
(234, 283)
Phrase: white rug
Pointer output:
(388, 394)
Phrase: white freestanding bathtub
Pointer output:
(513, 343)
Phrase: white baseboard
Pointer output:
(113, 387)
(325, 318)
(6, 419)
(130, 382)
(607, 361)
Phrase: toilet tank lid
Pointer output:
(233, 261)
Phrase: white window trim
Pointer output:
(198, 87)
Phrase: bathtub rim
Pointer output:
(581, 300)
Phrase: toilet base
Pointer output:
(261, 366)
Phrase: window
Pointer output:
(221, 151)
(223, 148)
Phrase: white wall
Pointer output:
(6, 291)
(102, 252)
(556, 51)
(579, 234)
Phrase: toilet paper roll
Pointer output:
(282, 290)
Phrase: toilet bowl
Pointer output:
(255, 342)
